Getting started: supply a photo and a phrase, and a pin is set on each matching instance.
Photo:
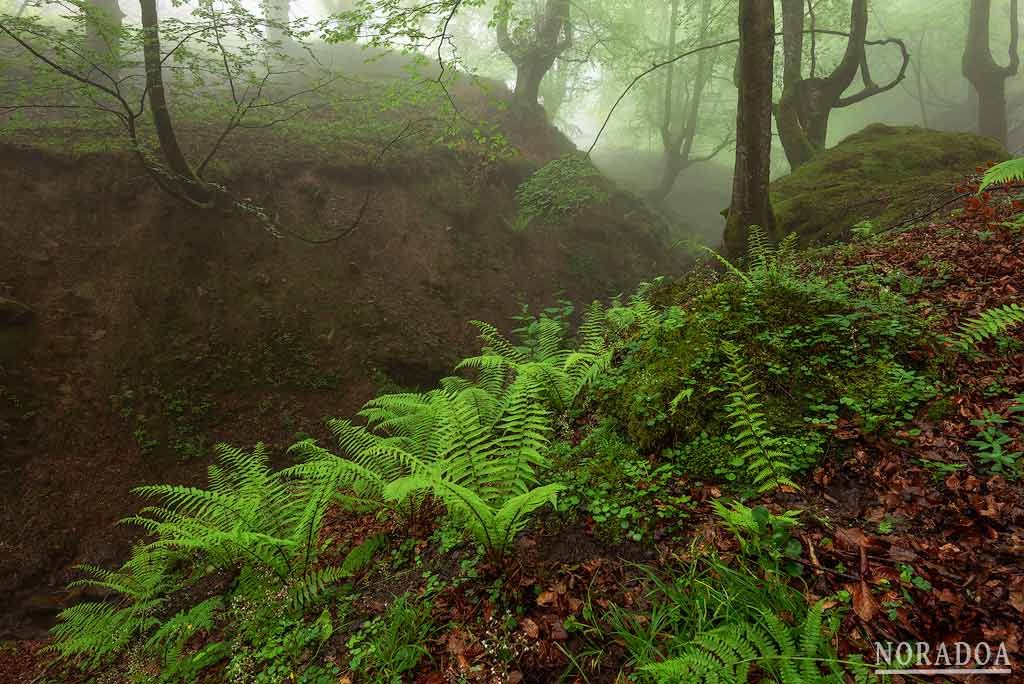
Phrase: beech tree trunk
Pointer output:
(751, 204)
(277, 12)
(103, 35)
(985, 75)
(184, 180)
(677, 142)
(534, 52)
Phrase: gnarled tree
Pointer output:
(981, 69)
(805, 105)
(533, 45)
(751, 204)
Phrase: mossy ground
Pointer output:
(883, 174)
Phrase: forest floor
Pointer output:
(159, 330)
(910, 531)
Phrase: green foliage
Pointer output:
(764, 536)
(988, 325)
(474, 444)
(1007, 172)
(93, 632)
(798, 654)
(562, 371)
(250, 516)
(392, 644)
(559, 190)
(992, 443)
(717, 622)
(766, 467)
(819, 350)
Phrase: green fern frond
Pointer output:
(988, 325)
(1011, 171)
(765, 465)
(782, 654)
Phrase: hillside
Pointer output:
(156, 330)
(878, 433)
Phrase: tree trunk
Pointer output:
(806, 104)
(534, 55)
(788, 112)
(183, 178)
(277, 13)
(751, 204)
(103, 36)
(985, 75)
(678, 146)
(530, 73)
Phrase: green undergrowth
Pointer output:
(345, 564)
(818, 350)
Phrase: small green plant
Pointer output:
(392, 644)
(940, 470)
(559, 189)
(766, 466)
(765, 537)
(991, 444)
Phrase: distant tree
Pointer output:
(805, 105)
(984, 73)
(751, 204)
(681, 109)
(533, 42)
(103, 20)
(219, 54)
(187, 184)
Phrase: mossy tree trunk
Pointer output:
(751, 204)
(534, 49)
(985, 75)
(183, 181)
(803, 111)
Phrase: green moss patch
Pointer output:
(883, 174)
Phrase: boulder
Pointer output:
(884, 174)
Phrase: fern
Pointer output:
(94, 631)
(1011, 171)
(249, 515)
(765, 465)
(989, 324)
(783, 654)
(767, 264)
(492, 526)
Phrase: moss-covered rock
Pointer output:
(883, 174)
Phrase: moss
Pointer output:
(817, 349)
(883, 174)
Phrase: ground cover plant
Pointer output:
(533, 518)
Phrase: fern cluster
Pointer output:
(474, 444)
(252, 518)
(767, 264)
(990, 324)
(730, 654)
